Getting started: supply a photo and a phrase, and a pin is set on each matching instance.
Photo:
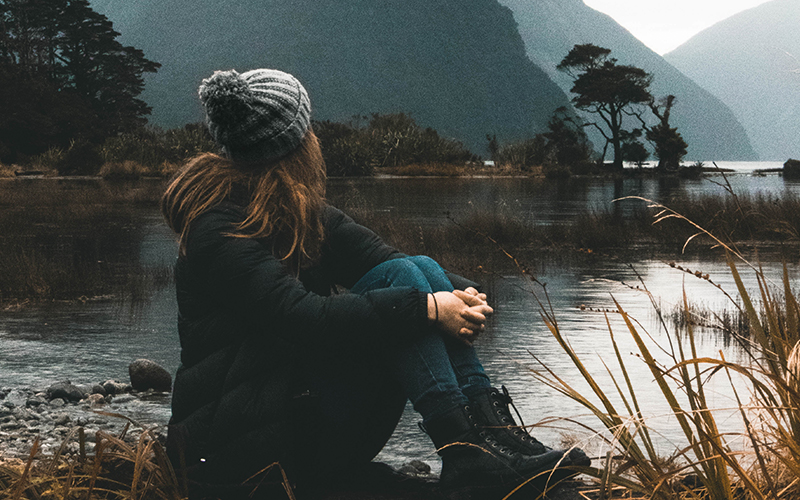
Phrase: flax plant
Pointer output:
(120, 468)
(117, 469)
(707, 467)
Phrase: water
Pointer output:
(95, 341)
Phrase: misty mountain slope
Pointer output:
(751, 62)
(550, 28)
(456, 65)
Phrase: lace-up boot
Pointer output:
(472, 456)
(491, 408)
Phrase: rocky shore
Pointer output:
(55, 414)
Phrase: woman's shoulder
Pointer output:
(332, 217)
(216, 221)
(223, 211)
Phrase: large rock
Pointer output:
(146, 374)
(66, 391)
(791, 169)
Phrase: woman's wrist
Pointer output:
(433, 309)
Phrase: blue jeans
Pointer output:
(360, 401)
(437, 372)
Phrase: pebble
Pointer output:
(26, 415)
(95, 399)
(125, 398)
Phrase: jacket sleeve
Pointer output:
(352, 250)
(243, 277)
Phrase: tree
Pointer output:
(35, 115)
(632, 149)
(670, 148)
(607, 89)
(63, 58)
(493, 146)
(568, 140)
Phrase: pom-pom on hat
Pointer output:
(259, 115)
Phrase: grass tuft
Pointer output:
(708, 465)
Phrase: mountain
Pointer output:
(458, 66)
(550, 28)
(750, 61)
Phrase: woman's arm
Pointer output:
(351, 250)
(241, 276)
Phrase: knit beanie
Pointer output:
(259, 115)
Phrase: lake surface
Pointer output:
(95, 341)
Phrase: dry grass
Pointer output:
(125, 170)
(428, 169)
(465, 169)
(117, 469)
(709, 466)
(121, 467)
(6, 170)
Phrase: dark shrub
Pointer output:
(82, 158)
(525, 154)
(390, 140)
(152, 146)
(791, 169)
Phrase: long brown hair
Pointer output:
(283, 198)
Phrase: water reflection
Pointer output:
(95, 341)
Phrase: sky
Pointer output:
(663, 25)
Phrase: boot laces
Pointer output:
(488, 438)
(502, 401)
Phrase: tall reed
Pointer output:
(708, 466)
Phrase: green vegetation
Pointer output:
(384, 142)
(145, 152)
(65, 78)
(613, 91)
(669, 144)
(561, 151)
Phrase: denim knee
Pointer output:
(434, 274)
(423, 262)
(395, 272)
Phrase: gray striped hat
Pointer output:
(259, 115)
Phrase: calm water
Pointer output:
(96, 341)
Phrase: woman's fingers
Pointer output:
(472, 300)
(460, 314)
(476, 314)
(467, 336)
(476, 293)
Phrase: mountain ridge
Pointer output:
(550, 28)
(750, 61)
(457, 66)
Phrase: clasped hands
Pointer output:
(461, 314)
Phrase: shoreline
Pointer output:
(28, 414)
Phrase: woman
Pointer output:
(277, 366)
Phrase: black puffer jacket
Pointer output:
(247, 326)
